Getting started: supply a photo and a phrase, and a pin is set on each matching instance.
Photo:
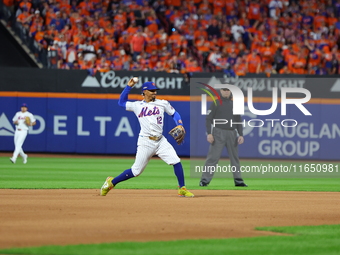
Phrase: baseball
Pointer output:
(135, 79)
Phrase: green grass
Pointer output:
(90, 173)
(304, 240)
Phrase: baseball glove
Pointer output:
(28, 121)
(178, 133)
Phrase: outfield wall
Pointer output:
(74, 123)
(78, 113)
(80, 125)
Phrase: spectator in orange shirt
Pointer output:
(240, 68)
(49, 16)
(123, 56)
(200, 32)
(34, 26)
(159, 67)
(139, 66)
(152, 22)
(232, 49)
(204, 7)
(109, 29)
(267, 52)
(318, 20)
(290, 59)
(134, 6)
(253, 62)
(153, 59)
(132, 29)
(124, 41)
(230, 6)
(194, 68)
(37, 17)
(120, 19)
(24, 17)
(175, 40)
(151, 42)
(65, 6)
(256, 43)
(188, 62)
(332, 19)
(103, 66)
(117, 64)
(137, 44)
(162, 38)
(203, 46)
(184, 45)
(285, 70)
(25, 4)
(219, 6)
(254, 12)
(86, 7)
(267, 68)
(109, 43)
(175, 3)
(164, 55)
(38, 35)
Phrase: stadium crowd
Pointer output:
(231, 36)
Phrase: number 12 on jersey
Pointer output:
(159, 120)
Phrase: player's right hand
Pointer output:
(210, 138)
(131, 83)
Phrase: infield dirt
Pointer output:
(81, 216)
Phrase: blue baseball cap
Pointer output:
(24, 105)
(149, 85)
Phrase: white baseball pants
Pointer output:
(146, 148)
(19, 139)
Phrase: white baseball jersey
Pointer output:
(20, 134)
(20, 117)
(151, 119)
(150, 115)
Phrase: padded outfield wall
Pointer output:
(78, 113)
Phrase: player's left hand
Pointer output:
(28, 121)
(178, 133)
(240, 139)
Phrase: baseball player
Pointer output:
(150, 113)
(22, 120)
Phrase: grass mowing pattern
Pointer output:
(307, 240)
(90, 173)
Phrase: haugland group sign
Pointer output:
(294, 128)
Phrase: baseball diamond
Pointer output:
(53, 215)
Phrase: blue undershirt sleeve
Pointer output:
(124, 97)
(176, 117)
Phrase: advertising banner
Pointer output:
(80, 125)
(80, 81)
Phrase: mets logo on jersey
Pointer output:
(146, 112)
